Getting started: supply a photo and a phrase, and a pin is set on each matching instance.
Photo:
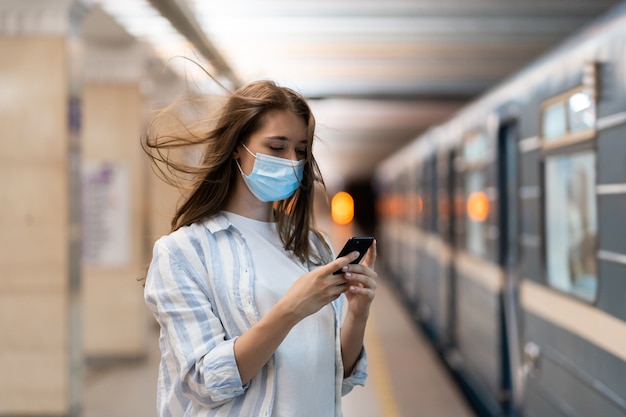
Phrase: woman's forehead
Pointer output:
(283, 125)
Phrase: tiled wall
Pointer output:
(34, 236)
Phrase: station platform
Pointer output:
(406, 377)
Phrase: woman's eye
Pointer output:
(276, 149)
(301, 152)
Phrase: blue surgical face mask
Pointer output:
(273, 178)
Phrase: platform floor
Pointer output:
(406, 377)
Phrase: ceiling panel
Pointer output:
(377, 72)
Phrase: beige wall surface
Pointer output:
(162, 206)
(115, 317)
(33, 220)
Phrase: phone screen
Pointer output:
(355, 243)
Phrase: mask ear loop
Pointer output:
(249, 151)
(237, 160)
(240, 170)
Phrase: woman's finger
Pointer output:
(338, 264)
(370, 255)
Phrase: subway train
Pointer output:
(504, 231)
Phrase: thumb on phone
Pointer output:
(336, 265)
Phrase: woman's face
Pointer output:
(282, 134)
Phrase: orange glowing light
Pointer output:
(419, 203)
(342, 208)
(478, 206)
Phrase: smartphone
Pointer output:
(358, 243)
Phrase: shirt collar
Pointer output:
(217, 223)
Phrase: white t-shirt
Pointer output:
(305, 360)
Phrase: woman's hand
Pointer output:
(361, 280)
(317, 288)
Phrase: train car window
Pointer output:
(476, 157)
(477, 211)
(572, 229)
(568, 118)
(426, 193)
(475, 148)
(554, 121)
(414, 203)
(581, 112)
(569, 178)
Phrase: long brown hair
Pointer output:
(208, 183)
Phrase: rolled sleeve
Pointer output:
(358, 376)
(220, 373)
(359, 373)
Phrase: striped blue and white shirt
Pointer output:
(200, 288)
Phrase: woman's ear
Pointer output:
(236, 153)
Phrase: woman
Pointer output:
(243, 287)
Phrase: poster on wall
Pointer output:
(106, 214)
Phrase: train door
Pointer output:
(433, 286)
(507, 188)
(449, 233)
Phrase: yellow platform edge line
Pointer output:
(379, 374)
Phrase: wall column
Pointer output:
(40, 358)
(114, 225)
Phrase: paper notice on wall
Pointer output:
(106, 213)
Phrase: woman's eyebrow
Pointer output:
(284, 139)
